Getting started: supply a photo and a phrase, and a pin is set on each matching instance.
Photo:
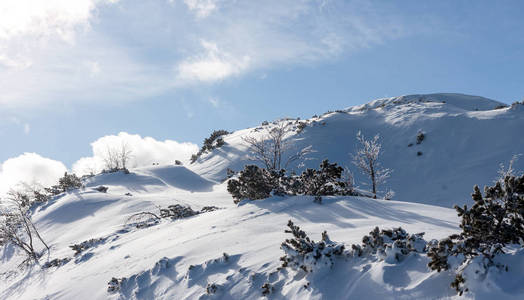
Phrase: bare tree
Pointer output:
(272, 146)
(124, 155)
(111, 160)
(366, 159)
(117, 158)
(16, 226)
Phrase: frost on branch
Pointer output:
(366, 159)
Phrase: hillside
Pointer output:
(466, 139)
(221, 250)
(251, 234)
(180, 258)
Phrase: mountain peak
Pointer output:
(461, 101)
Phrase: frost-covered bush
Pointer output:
(322, 182)
(391, 245)
(57, 262)
(206, 209)
(177, 211)
(79, 248)
(303, 253)
(252, 183)
(495, 221)
(67, 183)
(257, 183)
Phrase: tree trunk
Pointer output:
(373, 182)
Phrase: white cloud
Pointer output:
(202, 8)
(27, 128)
(145, 152)
(29, 168)
(26, 25)
(212, 65)
(43, 18)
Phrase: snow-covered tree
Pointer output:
(366, 159)
(16, 226)
(272, 147)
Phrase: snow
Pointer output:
(230, 253)
(462, 146)
(251, 234)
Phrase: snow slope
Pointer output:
(466, 139)
(179, 259)
(184, 258)
(251, 234)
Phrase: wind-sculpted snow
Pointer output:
(181, 177)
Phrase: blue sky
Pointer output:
(72, 72)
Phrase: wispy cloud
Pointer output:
(213, 65)
(202, 8)
(92, 50)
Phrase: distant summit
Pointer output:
(462, 101)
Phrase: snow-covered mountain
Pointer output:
(465, 140)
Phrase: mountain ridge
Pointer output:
(453, 146)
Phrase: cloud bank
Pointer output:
(29, 168)
(33, 169)
(144, 152)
